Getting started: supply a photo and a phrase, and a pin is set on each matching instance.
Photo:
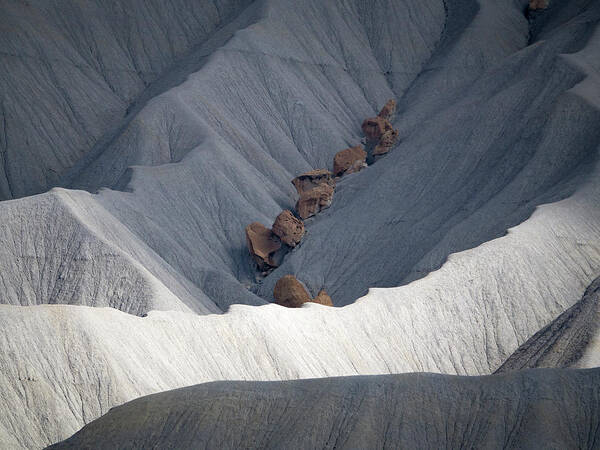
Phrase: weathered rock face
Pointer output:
(375, 127)
(389, 110)
(323, 298)
(263, 245)
(349, 161)
(312, 179)
(289, 292)
(288, 228)
(313, 201)
(538, 4)
(387, 141)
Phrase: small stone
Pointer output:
(309, 180)
(323, 298)
(313, 201)
(289, 292)
(263, 245)
(389, 110)
(288, 228)
(349, 161)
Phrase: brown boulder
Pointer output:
(289, 292)
(323, 298)
(538, 4)
(312, 179)
(262, 244)
(389, 110)
(288, 228)
(314, 200)
(349, 160)
(375, 127)
(387, 141)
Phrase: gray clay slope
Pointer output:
(194, 130)
(545, 408)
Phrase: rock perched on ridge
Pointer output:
(389, 110)
(538, 4)
(288, 228)
(289, 292)
(312, 179)
(375, 127)
(323, 298)
(263, 245)
(349, 161)
(313, 201)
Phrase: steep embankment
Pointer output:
(491, 128)
(523, 410)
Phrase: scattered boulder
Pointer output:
(288, 228)
(387, 141)
(289, 292)
(538, 4)
(389, 110)
(375, 127)
(310, 180)
(349, 161)
(323, 298)
(313, 201)
(263, 245)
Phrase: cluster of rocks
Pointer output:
(380, 135)
(315, 190)
(268, 246)
(291, 293)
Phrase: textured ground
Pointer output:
(531, 409)
(187, 123)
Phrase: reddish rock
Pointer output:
(289, 292)
(312, 179)
(538, 4)
(314, 200)
(349, 160)
(375, 127)
(263, 245)
(323, 298)
(288, 228)
(389, 110)
(387, 141)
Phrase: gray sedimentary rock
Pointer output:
(571, 337)
(531, 409)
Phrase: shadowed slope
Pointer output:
(532, 409)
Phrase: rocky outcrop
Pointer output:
(263, 246)
(389, 110)
(291, 293)
(288, 228)
(316, 192)
(323, 298)
(313, 201)
(379, 133)
(538, 4)
(310, 180)
(349, 161)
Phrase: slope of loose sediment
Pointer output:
(571, 340)
(531, 409)
(464, 318)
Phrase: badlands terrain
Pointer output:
(147, 150)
